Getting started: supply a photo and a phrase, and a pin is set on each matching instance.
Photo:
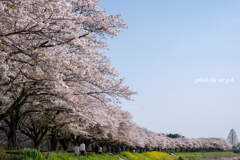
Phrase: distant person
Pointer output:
(100, 150)
(96, 148)
(76, 150)
(133, 150)
(116, 149)
(82, 149)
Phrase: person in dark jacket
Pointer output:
(96, 148)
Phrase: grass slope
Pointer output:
(165, 156)
(194, 155)
(200, 154)
(127, 155)
(59, 156)
(148, 156)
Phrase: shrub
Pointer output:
(70, 151)
(14, 152)
(89, 153)
(2, 150)
(32, 154)
(4, 156)
(43, 150)
(60, 151)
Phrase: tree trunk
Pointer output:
(13, 126)
(64, 143)
(53, 144)
(88, 142)
(12, 141)
(37, 145)
(53, 141)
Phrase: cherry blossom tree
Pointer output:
(50, 49)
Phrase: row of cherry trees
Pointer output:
(55, 82)
(43, 128)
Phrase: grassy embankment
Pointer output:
(148, 156)
(126, 155)
(165, 156)
(16, 155)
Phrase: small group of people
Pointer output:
(80, 148)
(134, 150)
(98, 149)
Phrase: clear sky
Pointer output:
(170, 44)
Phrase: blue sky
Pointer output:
(170, 44)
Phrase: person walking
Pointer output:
(82, 149)
(76, 150)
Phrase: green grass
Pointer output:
(165, 156)
(107, 156)
(148, 156)
(194, 155)
(63, 155)
(200, 154)
(59, 155)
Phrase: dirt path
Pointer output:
(122, 158)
